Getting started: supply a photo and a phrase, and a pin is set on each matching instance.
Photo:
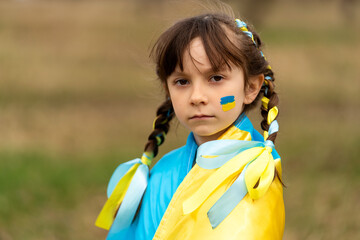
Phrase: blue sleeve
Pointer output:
(165, 177)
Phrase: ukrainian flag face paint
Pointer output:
(227, 103)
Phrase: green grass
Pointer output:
(38, 188)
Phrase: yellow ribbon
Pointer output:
(108, 212)
(163, 122)
(261, 168)
(272, 114)
(266, 135)
(146, 158)
(265, 102)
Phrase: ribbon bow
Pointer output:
(125, 190)
(252, 159)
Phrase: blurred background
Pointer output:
(78, 95)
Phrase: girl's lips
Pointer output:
(201, 117)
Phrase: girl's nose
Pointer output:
(198, 96)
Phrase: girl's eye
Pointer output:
(216, 78)
(181, 82)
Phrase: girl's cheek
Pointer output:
(227, 103)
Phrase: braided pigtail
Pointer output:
(270, 100)
(270, 112)
(129, 181)
(269, 109)
(161, 126)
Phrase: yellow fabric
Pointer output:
(266, 135)
(146, 159)
(244, 29)
(107, 214)
(236, 133)
(209, 156)
(265, 102)
(273, 112)
(262, 166)
(263, 218)
(232, 168)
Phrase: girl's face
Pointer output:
(203, 100)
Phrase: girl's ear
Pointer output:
(252, 89)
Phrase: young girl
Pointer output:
(225, 183)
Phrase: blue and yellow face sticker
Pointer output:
(227, 103)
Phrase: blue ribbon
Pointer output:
(222, 151)
(269, 143)
(240, 23)
(119, 173)
(274, 127)
(133, 196)
(228, 201)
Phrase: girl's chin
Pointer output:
(205, 136)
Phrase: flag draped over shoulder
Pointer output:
(230, 193)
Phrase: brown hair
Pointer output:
(225, 44)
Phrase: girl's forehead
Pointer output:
(196, 56)
(196, 53)
(217, 45)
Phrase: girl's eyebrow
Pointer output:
(178, 74)
(175, 74)
(209, 71)
(221, 69)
